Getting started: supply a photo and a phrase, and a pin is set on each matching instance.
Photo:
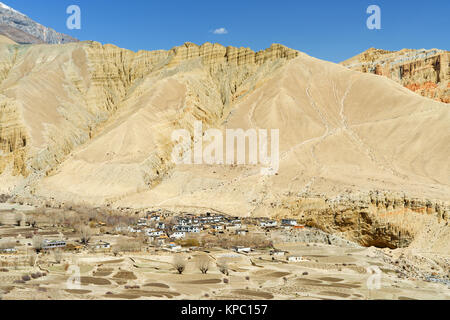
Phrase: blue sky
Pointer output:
(332, 30)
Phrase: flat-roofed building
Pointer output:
(53, 244)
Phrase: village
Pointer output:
(97, 253)
(154, 230)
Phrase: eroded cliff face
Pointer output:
(13, 139)
(13, 135)
(70, 94)
(426, 72)
(381, 219)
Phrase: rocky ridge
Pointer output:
(106, 76)
(20, 28)
(381, 219)
(426, 72)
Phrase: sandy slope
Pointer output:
(6, 40)
(336, 134)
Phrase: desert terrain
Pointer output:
(359, 154)
(287, 262)
(330, 273)
(88, 185)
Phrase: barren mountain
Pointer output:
(426, 72)
(360, 155)
(20, 28)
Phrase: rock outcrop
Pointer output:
(100, 80)
(426, 72)
(380, 219)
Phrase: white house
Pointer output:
(241, 232)
(234, 226)
(101, 245)
(161, 225)
(289, 222)
(175, 248)
(195, 229)
(187, 228)
(178, 235)
(155, 233)
(184, 222)
(268, 224)
(142, 222)
(52, 244)
(211, 219)
(217, 227)
(277, 253)
(134, 230)
(295, 259)
(242, 249)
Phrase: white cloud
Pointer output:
(220, 31)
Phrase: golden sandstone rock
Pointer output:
(426, 72)
(91, 123)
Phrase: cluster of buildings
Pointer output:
(158, 228)
(165, 229)
(55, 244)
(52, 244)
(180, 226)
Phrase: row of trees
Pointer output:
(19, 219)
(257, 241)
(202, 262)
(75, 215)
(126, 245)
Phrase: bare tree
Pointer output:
(32, 222)
(16, 263)
(19, 218)
(58, 255)
(203, 264)
(38, 243)
(179, 263)
(85, 234)
(58, 218)
(223, 266)
(127, 245)
(115, 251)
(142, 238)
(32, 258)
